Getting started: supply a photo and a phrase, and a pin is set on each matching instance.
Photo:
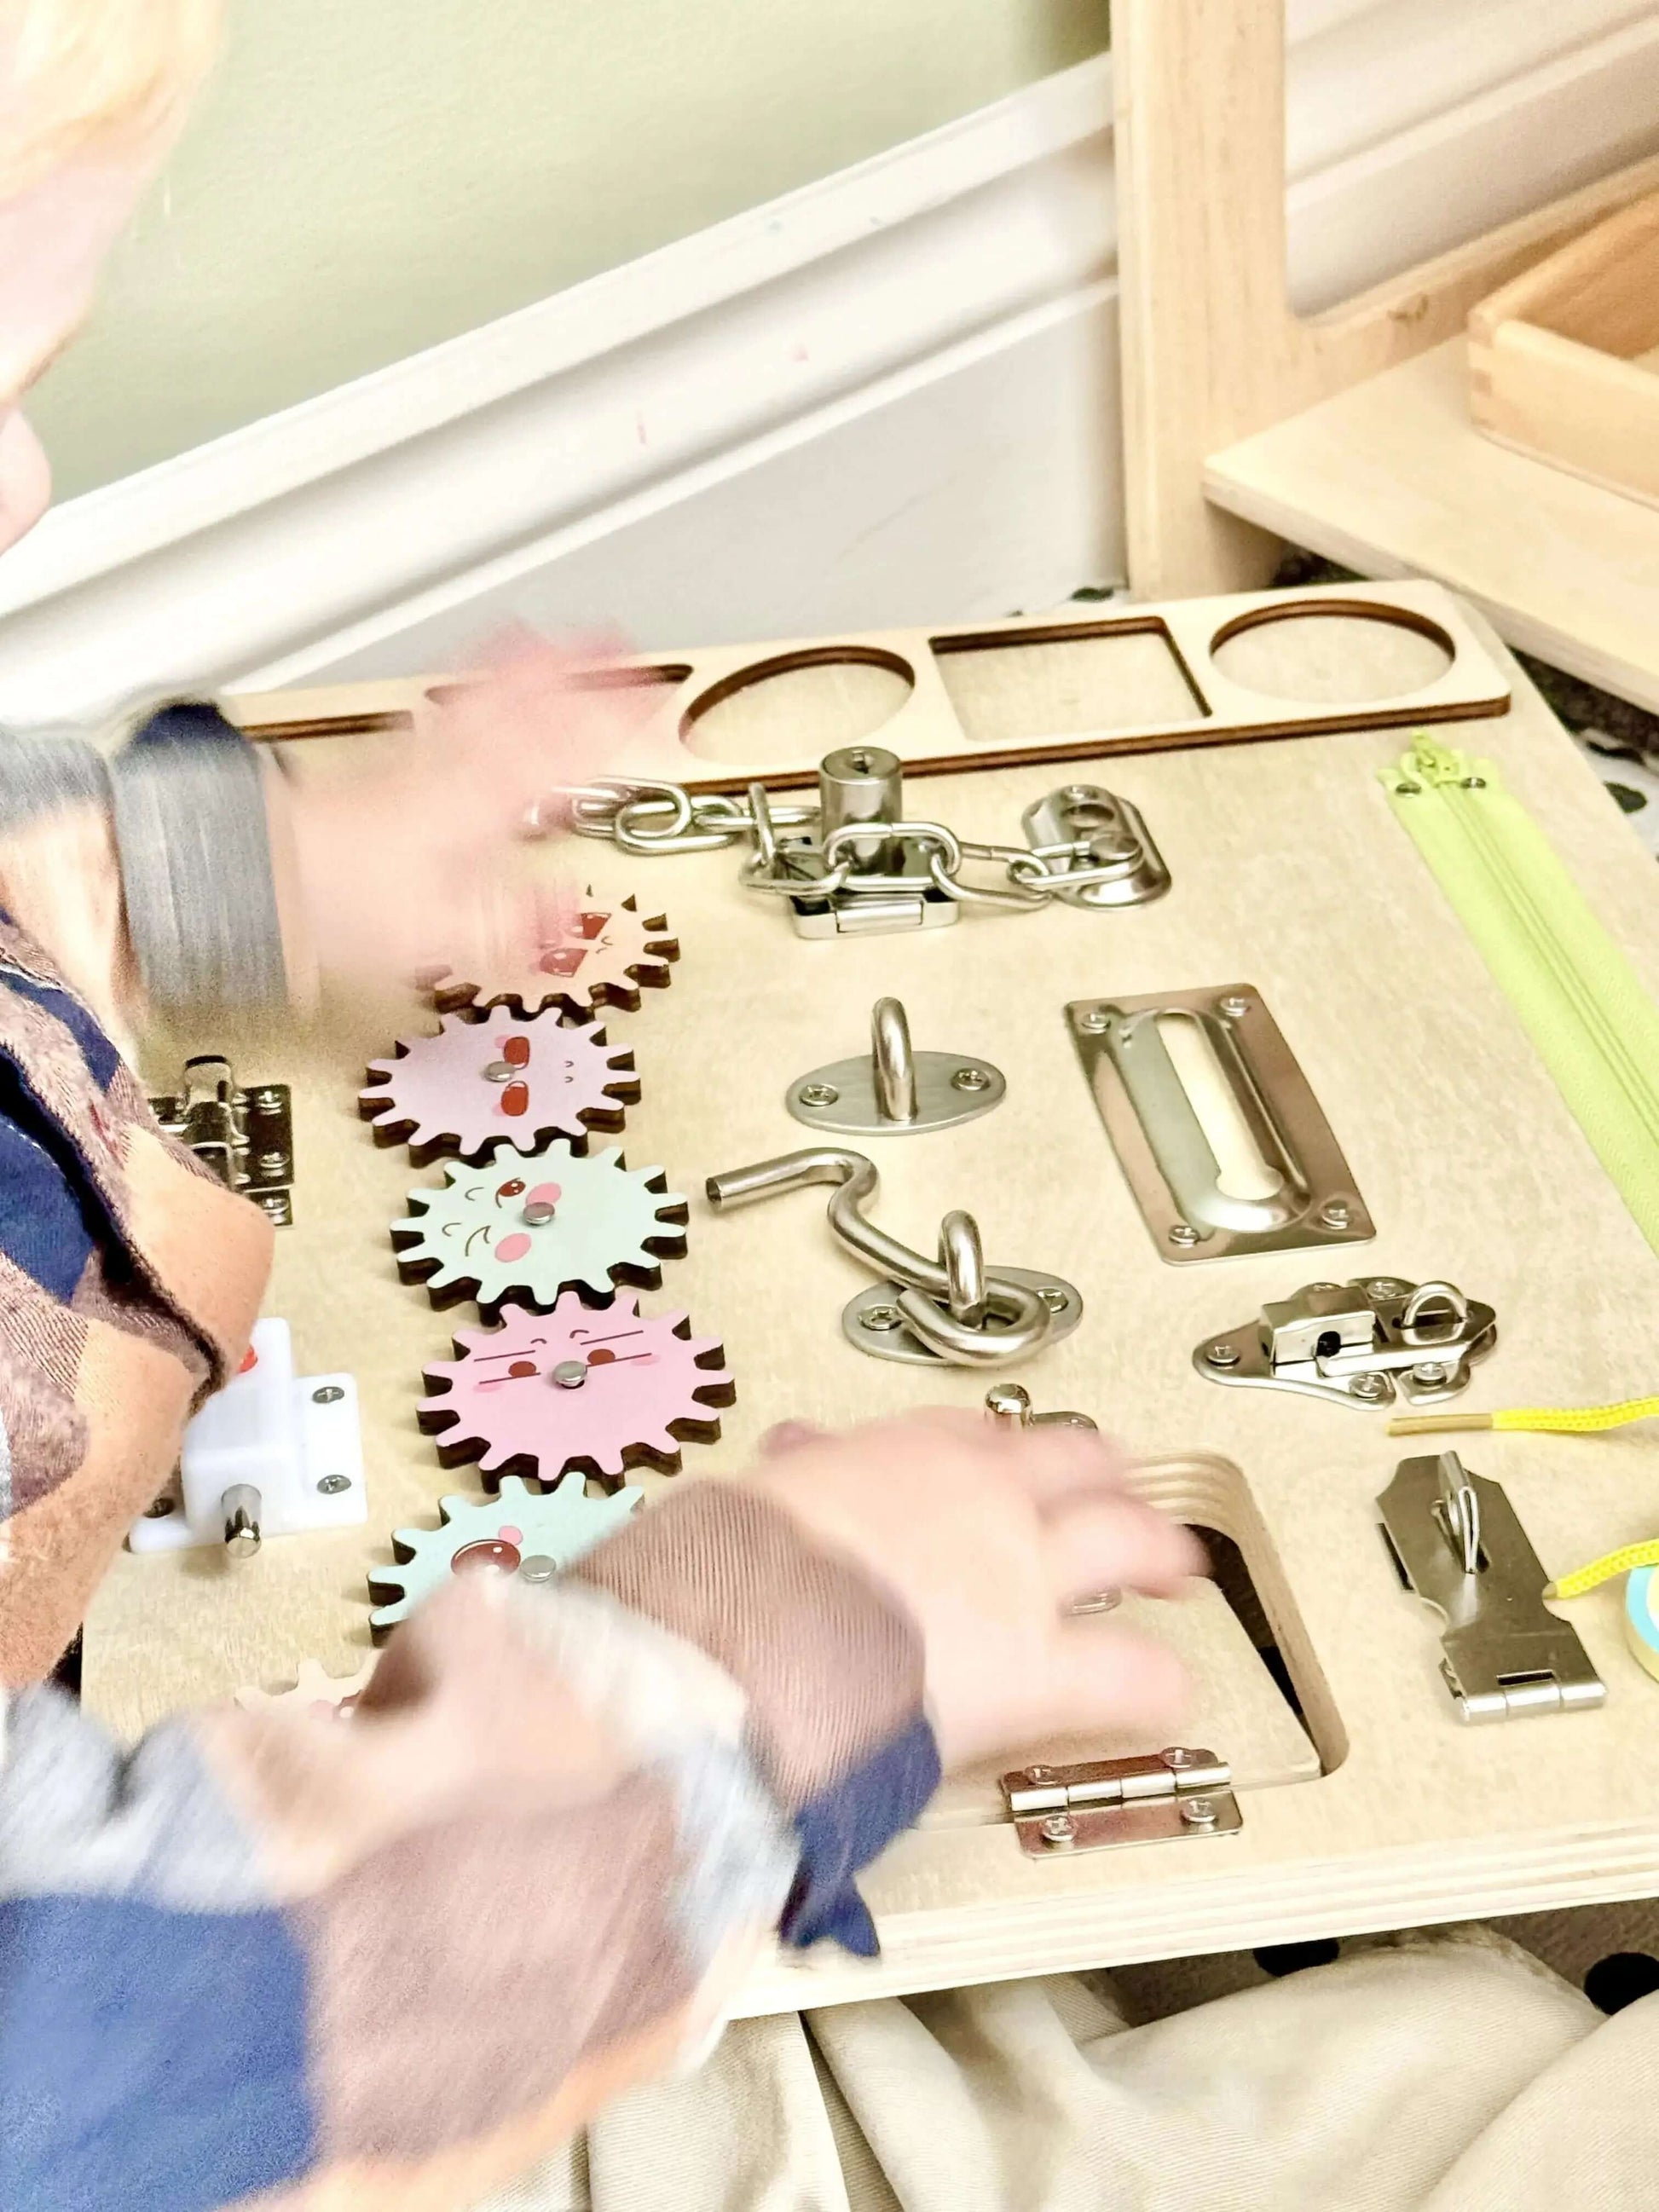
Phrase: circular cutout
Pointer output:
(1346, 652)
(793, 709)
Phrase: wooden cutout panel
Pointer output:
(967, 698)
(1288, 868)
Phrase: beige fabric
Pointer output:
(1445, 2074)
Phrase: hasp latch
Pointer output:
(1362, 1343)
(1458, 1544)
(246, 1137)
(1171, 1797)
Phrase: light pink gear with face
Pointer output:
(645, 1385)
(594, 951)
(504, 1079)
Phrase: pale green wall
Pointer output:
(369, 176)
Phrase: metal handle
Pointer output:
(931, 1292)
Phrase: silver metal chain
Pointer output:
(645, 815)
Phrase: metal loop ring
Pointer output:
(1437, 1294)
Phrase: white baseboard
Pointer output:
(888, 397)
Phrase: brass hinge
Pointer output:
(246, 1137)
(1173, 1796)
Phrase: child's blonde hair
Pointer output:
(80, 76)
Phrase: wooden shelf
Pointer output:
(1390, 478)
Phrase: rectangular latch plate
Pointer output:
(1176, 1796)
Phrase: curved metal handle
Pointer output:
(947, 1303)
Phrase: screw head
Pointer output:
(538, 1212)
(1183, 1234)
(1235, 1005)
(819, 1094)
(330, 1395)
(1475, 783)
(1094, 1019)
(881, 1317)
(1385, 1287)
(1199, 1812)
(971, 1079)
(1430, 1372)
(500, 1071)
(1177, 1756)
(1037, 1773)
(266, 1095)
(570, 1374)
(1052, 1296)
(1368, 1388)
(332, 1484)
(1336, 1213)
(1407, 790)
(538, 1568)
(1059, 1831)
(1221, 1354)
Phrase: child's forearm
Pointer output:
(406, 1954)
(148, 876)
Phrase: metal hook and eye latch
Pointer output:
(954, 1309)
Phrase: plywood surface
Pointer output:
(1391, 478)
(1288, 872)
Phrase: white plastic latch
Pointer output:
(270, 1455)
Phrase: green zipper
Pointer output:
(1579, 999)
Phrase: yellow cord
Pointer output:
(1603, 1570)
(1561, 1420)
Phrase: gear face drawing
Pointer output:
(502, 1080)
(576, 1392)
(595, 952)
(517, 1533)
(330, 1697)
(565, 1223)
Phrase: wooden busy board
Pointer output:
(1288, 873)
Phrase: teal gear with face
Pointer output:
(521, 1534)
(527, 1230)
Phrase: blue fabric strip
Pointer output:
(843, 1828)
(150, 2061)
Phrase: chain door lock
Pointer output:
(1359, 1343)
(1457, 1543)
(1176, 1795)
(246, 1137)
(853, 864)
(955, 1309)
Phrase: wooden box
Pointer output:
(1564, 361)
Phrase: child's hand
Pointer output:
(423, 861)
(986, 1535)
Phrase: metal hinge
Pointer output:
(1173, 1796)
(246, 1137)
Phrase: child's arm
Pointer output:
(408, 1953)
